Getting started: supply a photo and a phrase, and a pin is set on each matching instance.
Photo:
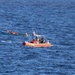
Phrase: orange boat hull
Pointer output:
(37, 45)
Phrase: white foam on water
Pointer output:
(3, 41)
(9, 41)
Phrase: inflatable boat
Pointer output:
(46, 44)
(37, 42)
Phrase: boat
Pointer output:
(46, 44)
(38, 42)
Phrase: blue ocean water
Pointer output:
(55, 19)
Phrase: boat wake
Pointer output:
(10, 42)
(4, 41)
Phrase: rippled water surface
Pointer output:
(55, 19)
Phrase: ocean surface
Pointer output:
(55, 19)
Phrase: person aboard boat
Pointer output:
(33, 41)
(11, 32)
(39, 38)
(42, 40)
